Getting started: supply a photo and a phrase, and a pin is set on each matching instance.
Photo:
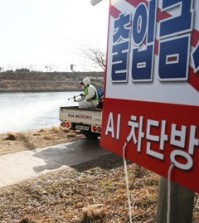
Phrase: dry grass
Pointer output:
(93, 192)
(15, 142)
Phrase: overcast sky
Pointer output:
(40, 33)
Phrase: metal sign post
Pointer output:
(181, 203)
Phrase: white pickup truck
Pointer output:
(88, 121)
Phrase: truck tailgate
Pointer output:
(83, 116)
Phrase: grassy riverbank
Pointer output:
(27, 81)
(93, 192)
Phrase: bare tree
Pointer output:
(97, 56)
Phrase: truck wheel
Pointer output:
(90, 135)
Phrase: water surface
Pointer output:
(28, 111)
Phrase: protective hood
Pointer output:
(86, 81)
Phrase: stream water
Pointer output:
(29, 111)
